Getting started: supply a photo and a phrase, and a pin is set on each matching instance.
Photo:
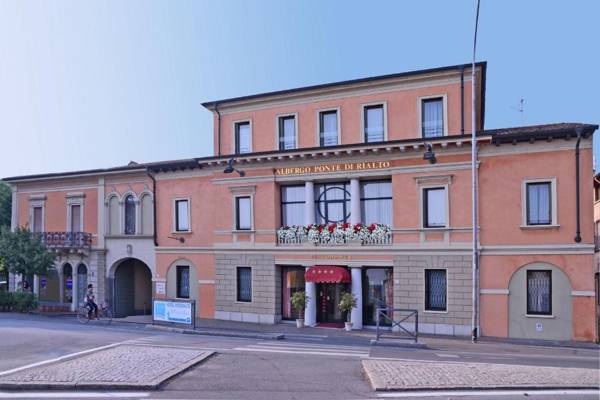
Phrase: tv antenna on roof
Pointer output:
(520, 108)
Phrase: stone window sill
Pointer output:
(539, 316)
(553, 226)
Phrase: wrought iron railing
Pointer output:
(399, 320)
(300, 239)
(67, 240)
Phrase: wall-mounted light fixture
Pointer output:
(429, 155)
(179, 239)
(230, 168)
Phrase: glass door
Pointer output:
(329, 295)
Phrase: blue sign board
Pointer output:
(180, 312)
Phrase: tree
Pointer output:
(5, 204)
(24, 253)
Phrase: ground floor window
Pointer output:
(435, 290)
(292, 282)
(378, 291)
(183, 281)
(244, 284)
(539, 292)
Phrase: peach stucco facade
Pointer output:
(180, 224)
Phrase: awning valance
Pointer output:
(327, 274)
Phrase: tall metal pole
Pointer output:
(475, 255)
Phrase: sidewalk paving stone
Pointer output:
(120, 367)
(408, 375)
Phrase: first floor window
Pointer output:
(292, 205)
(244, 284)
(432, 117)
(75, 218)
(183, 281)
(129, 215)
(434, 207)
(539, 203)
(328, 128)
(539, 292)
(37, 219)
(182, 216)
(373, 119)
(376, 202)
(332, 202)
(287, 132)
(243, 213)
(435, 289)
(242, 137)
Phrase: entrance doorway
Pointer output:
(132, 289)
(329, 296)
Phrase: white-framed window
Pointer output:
(244, 284)
(287, 131)
(539, 292)
(374, 122)
(435, 213)
(242, 136)
(328, 127)
(433, 116)
(436, 290)
(181, 217)
(376, 202)
(292, 205)
(37, 219)
(76, 220)
(539, 202)
(243, 213)
(75, 211)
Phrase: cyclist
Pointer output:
(90, 303)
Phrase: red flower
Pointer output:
(331, 228)
(310, 227)
(371, 227)
(357, 227)
(320, 228)
(346, 225)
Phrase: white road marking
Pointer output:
(66, 356)
(314, 346)
(447, 355)
(71, 395)
(306, 348)
(483, 393)
(319, 353)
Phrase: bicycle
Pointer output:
(104, 314)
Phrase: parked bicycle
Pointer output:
(85, 314)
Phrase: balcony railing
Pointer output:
(67, 240)
(335, 235)
(387, 240)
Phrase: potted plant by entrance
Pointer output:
(299, 300)
(347, 303)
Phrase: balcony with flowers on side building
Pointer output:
(335, 234)
(67, 242)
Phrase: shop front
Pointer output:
(330, 283)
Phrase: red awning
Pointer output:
(327, 274)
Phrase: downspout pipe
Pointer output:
(153, 207)
(577, 238)
(218, 129)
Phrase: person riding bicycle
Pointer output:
(90, 301)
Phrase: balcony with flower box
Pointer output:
(70, 242)
(335, 234)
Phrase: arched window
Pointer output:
(146, 204)
(129, 215)
(113, 216)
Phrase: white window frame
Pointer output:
(75, 199)
(339, 125)
(277, 125)
(233, 130)
(553, 203)
(362, 138)
(174, 214)
(34, 202)
(235, 278)
(425, 310)
(420, 99)
(235, 202)
(446, 187)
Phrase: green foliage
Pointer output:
(5, 204)
(347, 303)
(299, 300)
(24, 253)
(17, 301)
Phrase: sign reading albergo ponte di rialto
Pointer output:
(338, 167)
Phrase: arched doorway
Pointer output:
(82, 282)
(132, 288)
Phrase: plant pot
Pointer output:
(300, 323)
(348, 326)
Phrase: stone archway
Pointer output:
(132, 288)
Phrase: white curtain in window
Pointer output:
(75, 218)
(182, 215)
(244, 213)
(244, 138)
(292, 205)
(436, 207)
(538, 292)
(374, 124)
(539, 203)
(329, 129)
(433, 118)
(288, 135)
(376, 202)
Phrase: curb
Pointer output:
(244, 335)
(406, 345)
(152, 385)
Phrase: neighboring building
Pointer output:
(349, 152)
(597, 250)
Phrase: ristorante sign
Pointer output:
(331, 168)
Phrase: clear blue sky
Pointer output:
(96, 84)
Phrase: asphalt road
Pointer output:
(299, 367)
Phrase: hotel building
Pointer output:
(361, 186)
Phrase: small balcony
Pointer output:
(335, 235)
(67, 241)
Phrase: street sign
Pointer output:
(174, 311)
